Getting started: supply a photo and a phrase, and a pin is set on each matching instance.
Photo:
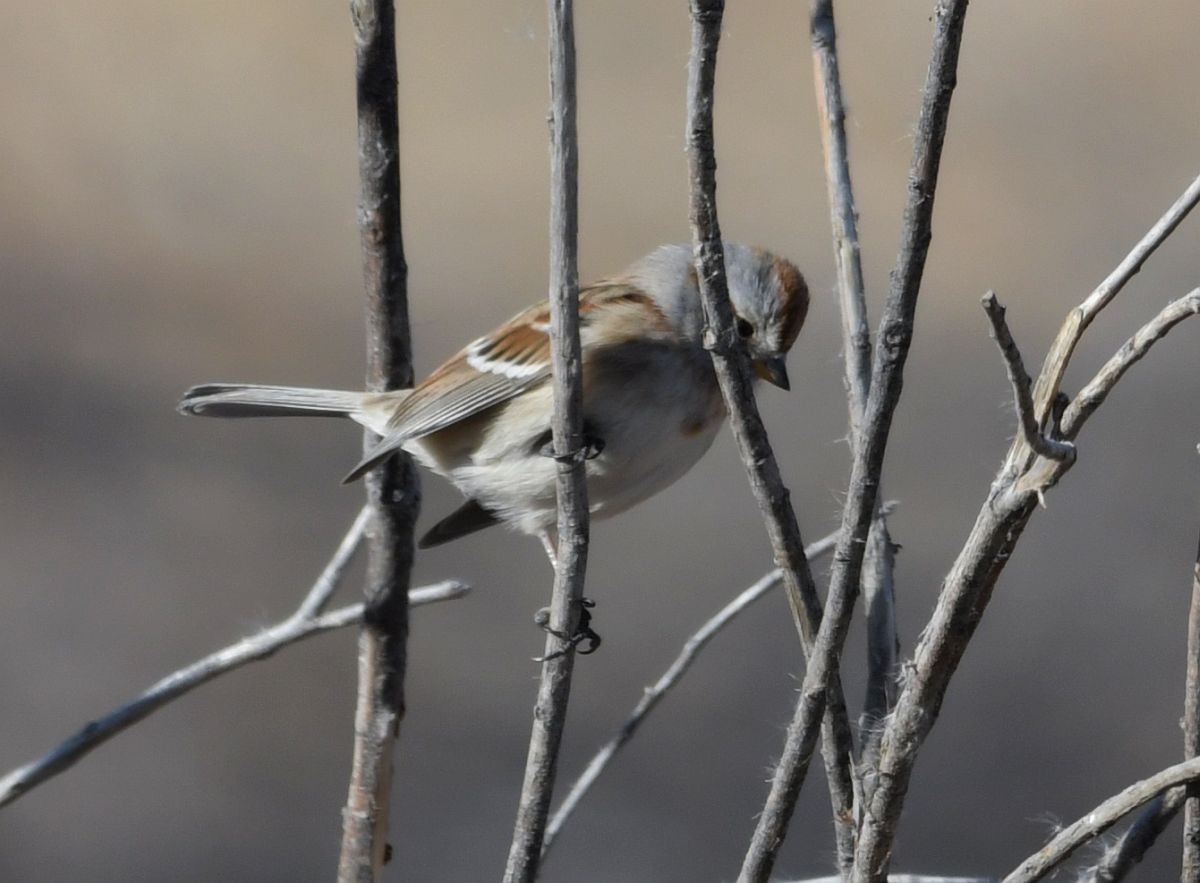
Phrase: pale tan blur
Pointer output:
(177, 204)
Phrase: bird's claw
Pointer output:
(591, 447)
(583, 632)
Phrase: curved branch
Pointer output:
(1101, 819)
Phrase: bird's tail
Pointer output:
(250, 400)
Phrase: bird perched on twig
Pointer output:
(651, 402)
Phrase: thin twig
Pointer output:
(878, 588)
(1191, 733)
(306, 621)
(1097, 389)
(1101, 819)
(1119, 859)
(554, 690)
(968, 586)
(1059, 355)
(331, 577)
(733, 375)
(1022, 386)
(677, 669)
(393, 490)
(891, 351)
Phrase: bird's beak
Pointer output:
(773, 370)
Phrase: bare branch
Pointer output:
(737, 389)
(393, 489)
(1101, 819)
(967, 589)
(1021, 384)
(1119, 859)
(891, 351)
(674, 673)
(1059, 356)
(910, 878)
(1191, 733)
(304, 623)
(1097, 389)
(883, 644)
(554, 690)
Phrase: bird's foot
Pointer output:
(583, 632)
(592, 446)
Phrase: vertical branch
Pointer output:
(393, 492)
(891, 352)
(554, 690)
(1191, 734)
(883, 644)
(733, 375)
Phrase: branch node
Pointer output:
(1039, 442)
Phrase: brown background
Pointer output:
(177, 197)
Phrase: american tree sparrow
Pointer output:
(651, 402)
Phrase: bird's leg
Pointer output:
(583, 628)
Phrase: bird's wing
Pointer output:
(510, 360)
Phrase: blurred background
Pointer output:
(177, 205)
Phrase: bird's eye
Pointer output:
(744, 328)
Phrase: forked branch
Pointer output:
(309, 619)
(891, 352)
(883, 644)
(1003, 516)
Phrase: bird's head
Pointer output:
(770, 302)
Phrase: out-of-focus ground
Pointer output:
(177, 204)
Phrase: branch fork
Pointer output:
(1042, 443)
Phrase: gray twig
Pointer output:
(1119, 859)
(878, 588)
(393, 489)
(1097, 389)
(1022, 386)
(891, 351)
(307, 620)
(554, 690)
(968, 586)
(737, 389)
(1191, 733)
(677, 669)
(1101, 819)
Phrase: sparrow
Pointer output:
(651, 402)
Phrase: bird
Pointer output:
(651, 402)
